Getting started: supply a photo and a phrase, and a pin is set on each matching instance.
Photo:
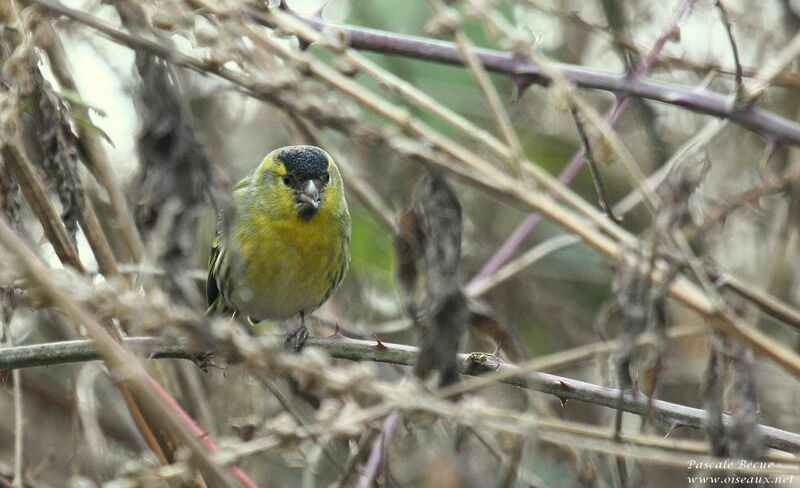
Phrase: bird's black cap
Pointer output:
(304, 162)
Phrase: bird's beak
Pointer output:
(309, 192)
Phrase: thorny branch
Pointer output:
(489, 368)
(526, 73)
(446, 153)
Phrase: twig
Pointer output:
(379, 445)
(612, 116)
(360, 350)
(473, 64)
(473, 168)
(767, 75)
(702, 101)
(160, 404)
(597, 178)
(350, 464)
(480, 287)
(726, 21)
(689, 149)
(34, 191)
(564, 359)
(19, 422)
(93, 152)
(7, 340)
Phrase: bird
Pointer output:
(287, 249)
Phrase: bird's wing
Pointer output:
(217, 263)
(212, 289)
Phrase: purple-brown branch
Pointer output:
(525, 73)
(475, 364)
(621, 104)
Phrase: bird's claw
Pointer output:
(297, 338)
(203, 360)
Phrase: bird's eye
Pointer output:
(325, 179)
(287, 181)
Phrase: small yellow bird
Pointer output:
(288, 247)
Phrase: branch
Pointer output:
(474, 364)
(526, 73)
(472, 168)
(160, 406)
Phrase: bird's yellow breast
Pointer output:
(288, 264)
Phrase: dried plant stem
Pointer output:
(594, 170)
(775, 66)
(19, 414)
(726, 21)
(42, 207)
(570, 357)
(473, 64)
(379, 446)
(559, 432)
(581, 108)
(57, 234)
(160, 406)
(474, 364)
(690, 148)
(97, 239)
(474, 169)
(702, 101)
(300, 419)
(612, 116)
(19, 422)
(523, 261)
(94, 154)
(366, 194)
(404, 120)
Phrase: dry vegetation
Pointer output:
(653, 270)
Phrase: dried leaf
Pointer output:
(430, 244)
(60, 151)
(175, 175)
(714, 399)
(488, 328)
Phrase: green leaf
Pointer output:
(74, 97)
(86, 122)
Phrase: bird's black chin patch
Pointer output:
(305, 210)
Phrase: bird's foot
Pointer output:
(204, 360)
(297, 338)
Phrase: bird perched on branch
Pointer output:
(287, 248)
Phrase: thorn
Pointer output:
(337, 333)
(519, 84)
(379, 346)
(317, 15)
(562, 399)
(673, 424)
(675, 34)
(755, 204)
(775, 143)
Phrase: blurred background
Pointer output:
(741, 213)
